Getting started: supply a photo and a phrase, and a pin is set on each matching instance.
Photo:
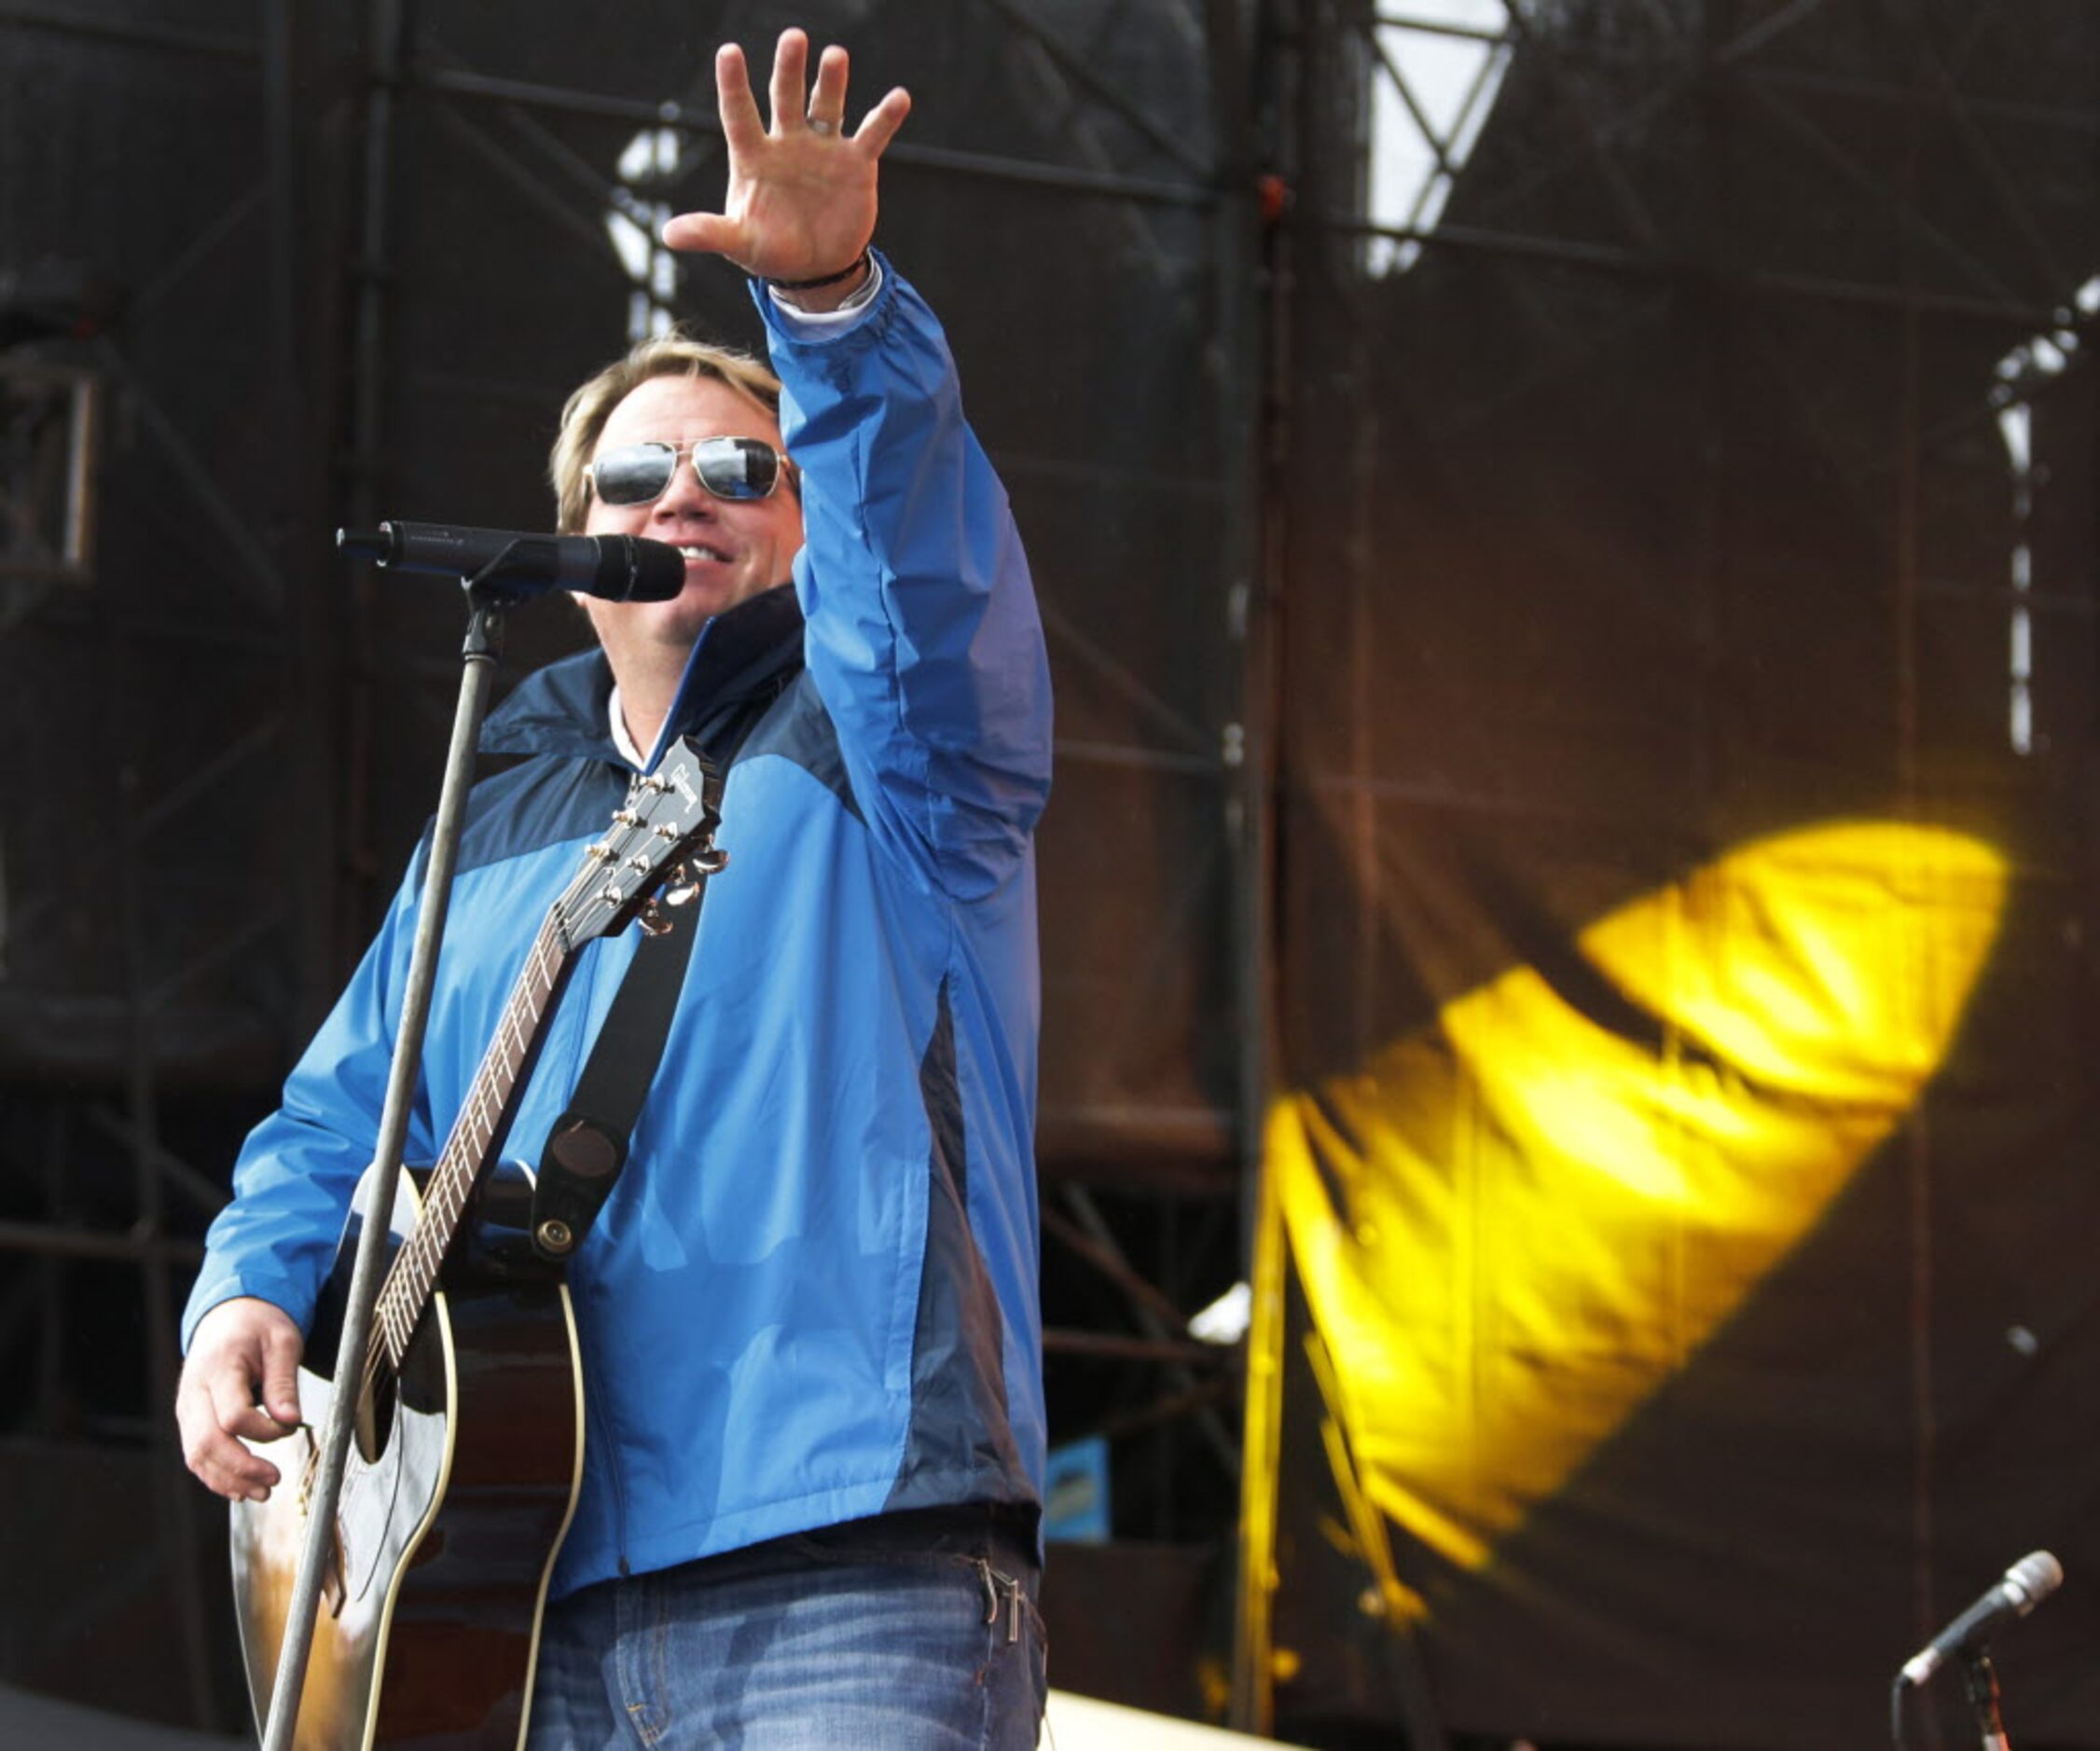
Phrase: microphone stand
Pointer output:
(1980, 1678)
(482, 647)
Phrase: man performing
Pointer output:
(807, 1312)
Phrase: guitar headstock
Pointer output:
(664, 834)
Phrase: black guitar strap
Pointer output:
(589, 1144)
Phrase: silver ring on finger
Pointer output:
(818, 125)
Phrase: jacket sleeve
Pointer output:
(922, 634)
(298, 1168)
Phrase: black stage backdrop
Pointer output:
(329, 263)
(1663, 551)
(1686, 1146)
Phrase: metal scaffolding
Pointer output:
(276, 361)
(363, 248)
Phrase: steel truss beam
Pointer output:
(318, 742)
(2018, 292)
(78, 1183)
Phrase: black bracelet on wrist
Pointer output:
(846, 273)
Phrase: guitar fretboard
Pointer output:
(414, 1272)
(669, 816)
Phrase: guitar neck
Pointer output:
(484, 1117)
(670, 817)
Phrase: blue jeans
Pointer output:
(907, 1633)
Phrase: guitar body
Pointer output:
(461, 1480)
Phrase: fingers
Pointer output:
(281, 1374)
(879, 126)
(824, 106)
(209, 1416)
(801, 194)
(827, 101)
(708, 233)
(740, 125)
(230, 1393)
(239, 1343)
(791, 64)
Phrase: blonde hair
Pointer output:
(584, 416)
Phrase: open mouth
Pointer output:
(704, 551)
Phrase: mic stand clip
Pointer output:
(1979, 1679)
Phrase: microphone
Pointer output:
(614, 568)
(2027, 1584)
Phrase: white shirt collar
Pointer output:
(622, 741)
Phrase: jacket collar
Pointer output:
(753, 647)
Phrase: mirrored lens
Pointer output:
(737, 468)
(636, 474)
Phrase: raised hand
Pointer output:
(801, 201)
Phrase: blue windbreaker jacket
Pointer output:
(812, 1295)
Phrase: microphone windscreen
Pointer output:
(632, 568)
(2037, 1576)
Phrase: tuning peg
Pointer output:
(653, 920)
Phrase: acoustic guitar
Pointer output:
(468, 1436)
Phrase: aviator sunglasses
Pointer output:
(735, 468)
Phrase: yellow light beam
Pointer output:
(1514, 1225)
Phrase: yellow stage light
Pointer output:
(1516, 1224)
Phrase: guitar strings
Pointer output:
(397, 1316)
(393, 1297)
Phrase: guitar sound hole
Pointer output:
(376, 1407)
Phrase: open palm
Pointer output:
(801, 200)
